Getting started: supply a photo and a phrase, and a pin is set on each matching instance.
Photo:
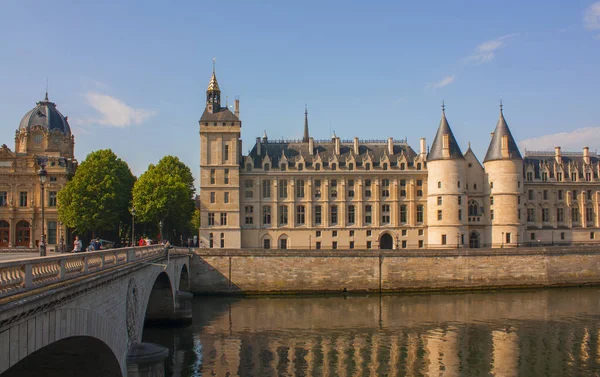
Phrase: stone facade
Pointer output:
(370, 194)
(43, 137)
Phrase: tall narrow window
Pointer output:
(213, 196)
(266, 214)
(223, 219)
(211, 218)
(351, 214)
(283, 215)
(385, 188)
(226, 177)
(300, 188)
(226, 197)
(3, 198)
(212, 176)
(368, 214)
(23, 198)
(403, 214)
(283, 188)
(52, 199)
(226, 153)
(318, 219)
(385, 214)
(266, 189)
(420, 213)
(300, 215)
(334, 215)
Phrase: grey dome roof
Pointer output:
(46, 115)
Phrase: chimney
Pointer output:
(391, 146)
(557, 155)
(311, 145)
(423, 151)
(356, 150)
(258, 146)
(236, 109)
(586, 154)
(505, 146)
(337, 145)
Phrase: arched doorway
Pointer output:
(74, 356)
(386, 241)
(4, 233)
(23, 233)
(474, 240)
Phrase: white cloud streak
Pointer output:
(486, 51)
(114, 112)
(568, 141)
(591, 16)
(442, 83)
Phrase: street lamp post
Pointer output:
(132, 211)
(160, 225)
(42, 174)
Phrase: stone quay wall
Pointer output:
(319, 271)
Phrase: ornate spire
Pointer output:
(305, 137)
(213, 85)
(213, 93)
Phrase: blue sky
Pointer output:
(132, 76)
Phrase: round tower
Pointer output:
(446, 202)
(503, 166)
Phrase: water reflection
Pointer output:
(533, 333)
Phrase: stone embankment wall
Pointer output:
(289, 271)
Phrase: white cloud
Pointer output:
(115, 112)
(486, 51)
(591, 16)
(568, 141)
(442, 83)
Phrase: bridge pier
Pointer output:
(146, 360)
(183, 308)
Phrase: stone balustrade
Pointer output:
(23, 275)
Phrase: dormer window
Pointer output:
(317, 167)
(300, 167)
(402, 166)
(385, 166)
(367, 166)
(350, 166)
(248, 167)
(266, 167)
(282, 167)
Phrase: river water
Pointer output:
(553, 332)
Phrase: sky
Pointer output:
(132, 75)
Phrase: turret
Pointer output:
(446, 204)
(503, 165)
(213, 94)
(305, 137)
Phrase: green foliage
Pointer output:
(165, 192)
(98, 196)
(195, 223)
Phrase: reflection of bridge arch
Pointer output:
(104, 313)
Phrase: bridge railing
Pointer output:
(23, 275)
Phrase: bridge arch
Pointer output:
(160, 305)
(73, 356)
(184, 279)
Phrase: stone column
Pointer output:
(146, 360)
(183, 308)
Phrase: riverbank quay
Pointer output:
(248, 271)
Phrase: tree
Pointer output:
(99, 195)
(165, 193)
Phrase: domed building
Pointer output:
(43, 138)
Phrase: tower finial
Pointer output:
(305, 137)
(46, 98)
(443, 107)
(500, 105)
(214, 64)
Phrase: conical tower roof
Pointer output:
(213, 85)
(494, 151)
(437, 148)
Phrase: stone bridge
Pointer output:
(83, 314)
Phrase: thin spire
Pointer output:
(500, 105)
(443, 107)
(305, 138)
(214, 65)
(46, 98)
(213, 84)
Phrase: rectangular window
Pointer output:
(403, 182)
(421, 232)
(300, 188)
(318, 245)
(226, 153)
(544, 176)
(559, 177)
(52, 199)
(574, 194)
(574, 177)
(226, 197)
(491, 200)
(404, 244)
(588, 177)
(421, 244)
(545, 194)
(402, 193)
(318, 233)
(404, 232)
(23, 198)
(212, 176)
(334, 233)
(266, 189)
(419, 213)
(419, 193)
(532, 236)
(589, 194)
(545, 215)
(249, 194)
(51, 230)
(460, 215)
(530, 215)
(266, 215)
(3, 198)
(267, 242)
(368, 214)
(300, 215)
(439, 214)
(369, 244)
(385, 214)
(491, 214)
(575, 214)
(459, 200)
(334, 243)
(591, 235)
(212, 197)
(560, 215)
(419, 182)
(403, 214)
(249, 217)
(223, 219)
(443, 239)
(529, 176)
(530, 194)
(589, 214)
(385, 188)
(211, 218)
(367, 193)
(351, 244)
(318, 218)
(439, 200)
(560, 194)
(351, 193)
(283, 215)
(562, 235)
(334, 215)
(226, 177)
(283, 188)
(351, 214)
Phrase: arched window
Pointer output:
(4, 233)
(283, 242)
(473, 208)
(439, 184)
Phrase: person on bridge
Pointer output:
(142, 241)
(77, 245)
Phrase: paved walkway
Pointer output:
(4, 257)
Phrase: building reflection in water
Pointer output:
(533, 333)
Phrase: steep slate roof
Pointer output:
(494, 151)
(436, 151)
(538, 159)
(326, 150)
(223, 115)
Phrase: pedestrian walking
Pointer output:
(77, 245)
